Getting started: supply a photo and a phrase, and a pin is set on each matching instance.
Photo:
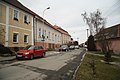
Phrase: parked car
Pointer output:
(64, 48)
(31, 51)
(77, 47)
(72, 47)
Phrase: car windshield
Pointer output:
(30, 47)
(63, 46)
(71, 46)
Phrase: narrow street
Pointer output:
(55, 66)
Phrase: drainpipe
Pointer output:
(34, 30)
(7, 26)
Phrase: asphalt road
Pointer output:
(55, 66)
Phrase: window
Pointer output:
(48, 35)
(16, 15)
(39, 32)
(45, 34)
(25, 38)
(26, 19)
(60, 38)
(53, 36)
(40, 47)
(15, 37)
(36, 48)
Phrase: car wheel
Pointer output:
(31, 56)
(43, 55)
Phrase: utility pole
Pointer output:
(78, 40)
(87, 33)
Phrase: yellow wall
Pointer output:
(65, 38)
(2, 34)
(2, 14)
(20, 22)
(15, 26)
(2, 20)
(20, 27)
(21, 34)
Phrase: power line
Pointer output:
(113, 8)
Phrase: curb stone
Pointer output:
(74, 75)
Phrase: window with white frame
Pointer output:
(15, 14)
(60, 38)
(48, 35)
(39, 32)
(45, 34)
(15, 37)
(25, 38)
(53, 36)
(26, 19)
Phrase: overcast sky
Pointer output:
(67, 13)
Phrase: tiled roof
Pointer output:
(17, 4)
(61, 30)
(110, 32)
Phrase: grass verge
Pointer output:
(103, 71)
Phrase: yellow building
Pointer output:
(19, 27)
(16, 24)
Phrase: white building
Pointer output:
(43, 29)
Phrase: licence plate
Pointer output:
(19, 55)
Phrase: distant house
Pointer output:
(114, 37)
(65, 36)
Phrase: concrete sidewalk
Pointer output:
(8, 58)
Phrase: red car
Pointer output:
(29, 52)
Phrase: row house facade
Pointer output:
(46, 34)
(113, 35)
(15, 24)
(19, 27)
(65, 36)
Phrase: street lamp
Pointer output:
(87, 32)
(43, 36)
(45, 10)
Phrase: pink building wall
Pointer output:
(115, 47)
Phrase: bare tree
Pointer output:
(103, 39)
(96, 24)
(94, 21)
(2, 36)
